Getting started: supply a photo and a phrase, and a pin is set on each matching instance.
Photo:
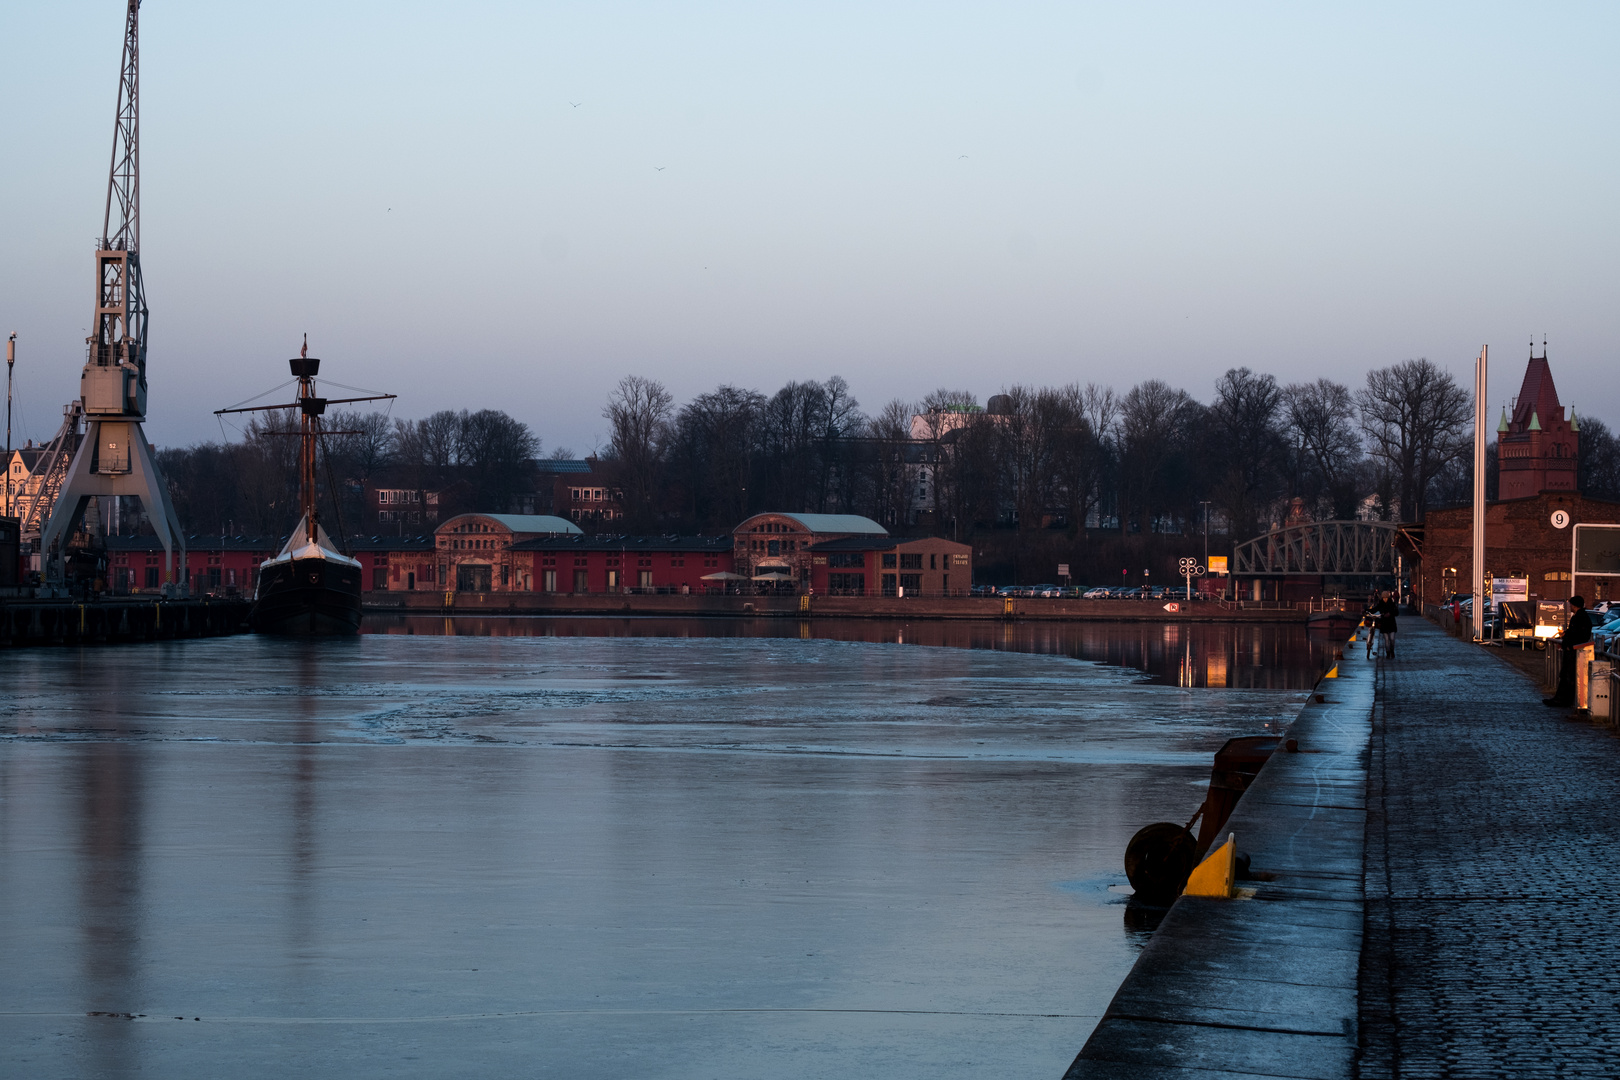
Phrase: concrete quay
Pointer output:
(1446, 899)
(111, 620)
(1264, 984)
(834, 607)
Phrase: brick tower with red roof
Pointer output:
(1536, 447)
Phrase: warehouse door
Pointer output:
(472, 578)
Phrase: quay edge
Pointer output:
(830, 607)
(117, 620)
(1264, 983)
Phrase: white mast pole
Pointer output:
(1479, 492)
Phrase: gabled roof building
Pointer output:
(1536, 447)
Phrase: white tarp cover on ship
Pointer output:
(299, 546)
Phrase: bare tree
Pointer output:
(1245, 448)
(1320, 421)
(892, 474)
(1152, 417)
(639, 411)
(495, 454)
(1029, 436)
(792, 429)
(1416, 419)
(713, 454)
(1597, 462)
(1080, 448)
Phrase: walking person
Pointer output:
(1576, 634)
(1386, 622)
(1369, 621)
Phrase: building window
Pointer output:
(582, 581)
(888, 581)
(846, 559)
(613, 579)
(912, 582)
(854, 584)
(644, 578)
(549, 580)
(379, 578)
(932, 565)
(888, 564)
(912, 561)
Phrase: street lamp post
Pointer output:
(11, 362)
(1205, 503)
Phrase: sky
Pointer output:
(485, 205)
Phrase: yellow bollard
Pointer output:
(1214, 876)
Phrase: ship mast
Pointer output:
(311, 407)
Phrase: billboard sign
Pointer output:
(1597, 549)
(1217, 564)
(1509, 588)
(1550, 616)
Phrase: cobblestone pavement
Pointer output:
(1492, 938)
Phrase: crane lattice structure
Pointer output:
(45, 479)
(114, 458)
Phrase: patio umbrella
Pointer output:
(724, 575)
(773, 577)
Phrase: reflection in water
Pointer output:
(1269, 656)
(302, 791)
(110, 787)
(758, 852)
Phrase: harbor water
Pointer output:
(598, 848)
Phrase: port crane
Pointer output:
(113, 458)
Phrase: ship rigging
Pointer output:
(310, 587)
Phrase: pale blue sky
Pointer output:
(906, 195)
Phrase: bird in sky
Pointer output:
(658, 168)
(961, 157)
(576, 104)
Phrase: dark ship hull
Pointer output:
(307, 596)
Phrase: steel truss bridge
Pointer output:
(1321, 549)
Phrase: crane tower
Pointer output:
(114, 458)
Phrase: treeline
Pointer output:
(474, 460)
(1151, 460)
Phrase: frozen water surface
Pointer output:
(610, 848)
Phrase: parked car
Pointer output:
(1101, 592)
(1606, 637)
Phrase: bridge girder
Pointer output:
(1320, 549)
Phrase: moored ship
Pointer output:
(309, 587)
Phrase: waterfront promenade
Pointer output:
(1482, 938)
(1493, 874)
